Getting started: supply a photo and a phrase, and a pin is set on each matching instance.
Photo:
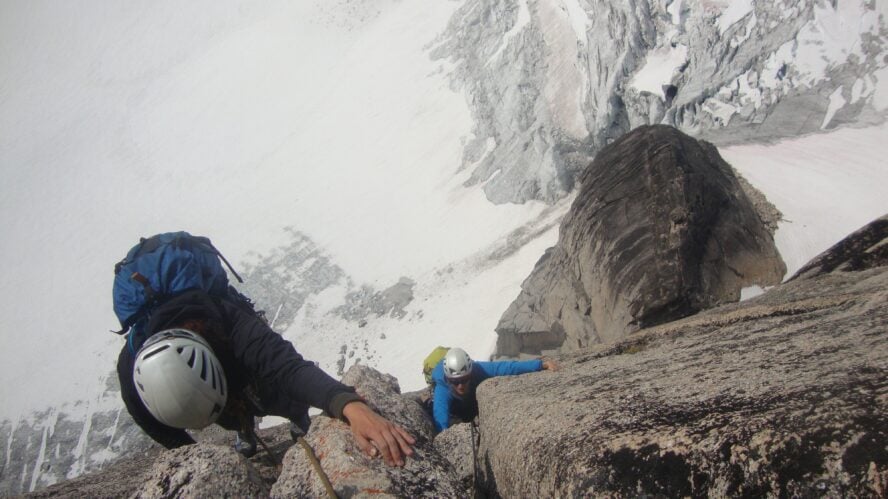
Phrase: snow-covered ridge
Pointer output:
(727, 71)
(838, 38)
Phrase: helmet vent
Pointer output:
(183, 384)
(155, 352)
(203, 366)
(221, 380)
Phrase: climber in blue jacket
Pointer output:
(456, 377)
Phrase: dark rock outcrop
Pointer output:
(660, 229)
(782, 395)
(864, 249)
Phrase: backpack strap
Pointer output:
(149, 291)
(205, 242)
(219, 254)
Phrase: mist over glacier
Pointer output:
(343, 155)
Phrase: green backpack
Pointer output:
(428, 365)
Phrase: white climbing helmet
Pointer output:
(457, 363)
(180, 380)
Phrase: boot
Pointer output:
(299, 426)
(245, 444)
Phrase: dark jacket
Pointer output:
(265, 374)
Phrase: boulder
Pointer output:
(660, 229)
(201, 470)
(455, 444)
(352, 473)
(782, 395)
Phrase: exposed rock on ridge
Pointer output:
(660, 229)
(541, 97)
(784, 395)
(550, 83)
(282, 281)
(426, 474)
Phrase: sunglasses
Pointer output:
(459, 381)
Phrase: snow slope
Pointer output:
(826, 186)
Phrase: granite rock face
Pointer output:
(660, 229)
(352, 473)
(201, 470)
(784, 395)
(455, 444)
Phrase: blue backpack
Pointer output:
(161, 267)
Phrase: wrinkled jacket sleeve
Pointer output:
(274, 361)
(509, 367)
(441, 401)
(165, 435)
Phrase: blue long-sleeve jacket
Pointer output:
(447, 403)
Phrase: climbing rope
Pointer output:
(248, 430)
(474, 425)
(317, 466)
(272, 456)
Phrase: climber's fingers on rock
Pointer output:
(366, 446)
(405, 439)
